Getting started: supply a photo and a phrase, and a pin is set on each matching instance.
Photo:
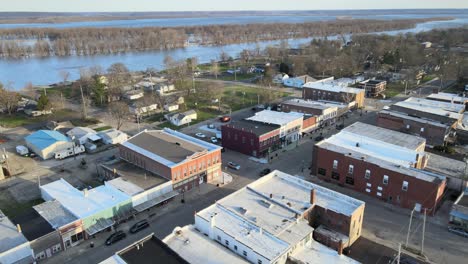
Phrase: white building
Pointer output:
(112, 136)
(171, 107)
(142, 110)
(299, 81)
(264, 223)
(179, 119)
(82, 134)
(134, 94)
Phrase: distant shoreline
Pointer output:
(63, 17)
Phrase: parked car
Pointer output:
(211, 126)
(265, 172)
(225, 119)
(200, 135)
(233, 165)
(117, 236)
(319, 138)
(137, 227)
(214, 140)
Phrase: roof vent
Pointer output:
(349, 154)
(177, 143)
(357, 144)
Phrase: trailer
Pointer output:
(69, 152)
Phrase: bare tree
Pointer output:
(119, 112)
(8, 99)
(215, 68)
(64, 75)
(223, 56)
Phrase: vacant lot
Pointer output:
(20, 119)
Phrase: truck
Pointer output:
(22, 150)
(69, 152)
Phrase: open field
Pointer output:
(20, 119)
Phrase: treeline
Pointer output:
(15, 43)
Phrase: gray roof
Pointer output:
(9, 235)
(165, 145)
(55, 214)
(257, 128)
(181, 115)
(386, 135)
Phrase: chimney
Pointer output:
(85, 192)
(340, 248)
(18, 227)
(271, 195)
(312, 196)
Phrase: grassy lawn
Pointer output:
(102, 128)
(427, 78)
(394, 88)
(65, 90)
(170, 125)
(230, 77)
(11, 208)
(20, 119)
(84, 123)
(154, 118)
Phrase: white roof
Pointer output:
(245, 232)
(124, 186)
(9, 236)
(417, 119)
(55, 214)
(74, 200)
(447, 97)
(274, 117)
(433, 107)
(332, 86)
(199, 249)
(316, 253)
(314, 104)
(79, 132)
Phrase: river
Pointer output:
(43, 71)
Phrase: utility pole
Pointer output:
(399, 253)
(423, 231)
(406, 86)
(85, 114)
(6, 161)
(409, 228)
(258, 99)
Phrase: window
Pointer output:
(405, 186)
(351, 169)
(259, 262)
(335, 175)
(219, 238)
(422, 129)
(407, 126)
(235, 137)
(368, 190)
(251, 142)
(235, 247)
(367, 175)
(243, 140)
(350, 180)
(322, 171)
(244, 253)
(379, 194)
(335, 164)
(385, 179)
(226, 242)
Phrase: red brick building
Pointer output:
(373, 88)
(250, 137)
(382, 163)
(184, 160)
(331, 91)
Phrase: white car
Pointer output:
(233, 165)
(200, 135)
(214, 140)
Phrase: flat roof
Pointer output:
(149, 249)
(313, 104)
(413, 118)
(125, 186)
(55, 214)
(447, 97)
(167, 146)
(274, 117)
(385, 135)
(81, 206)
(257, 128)
(199, 249)
(386, 155)
(432, 107)
(9, 235)
(315, 253)
(133, 175)
(446, 166)
(332, 86)
(33, 225)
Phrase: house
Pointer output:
(98, 208)
(276, 219)
(112, 136)
(280, 78)
(171, 107)
(299, 81)
(331, 91)
(426, 44)
(30, 109)
(382, 163)
(134, 94)
(143, 109)
(164, 88)
(180, 119)
(458, 222)
(182, 159)
(373, 88)
(434, 120)
(14, 247)
(46, 142)
(82, 134)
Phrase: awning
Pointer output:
(100, 225)
(153, 202)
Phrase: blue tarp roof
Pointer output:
(44, 138)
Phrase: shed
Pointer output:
(113, 136)
(46, 142)
(81, 134)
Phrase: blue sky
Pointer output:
(215, 5)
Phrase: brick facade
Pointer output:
(425, 193)
(318, 94)
(249, 143)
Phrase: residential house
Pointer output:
(183, 118)
(112, 136)
(298, 82)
